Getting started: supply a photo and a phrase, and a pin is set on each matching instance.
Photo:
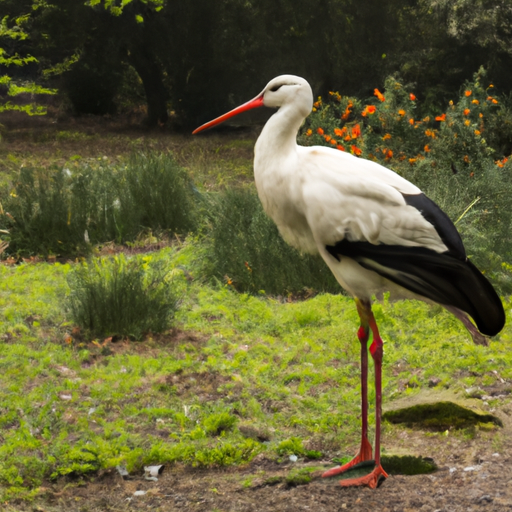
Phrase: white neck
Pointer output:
(278, 137)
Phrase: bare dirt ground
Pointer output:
(473, 475)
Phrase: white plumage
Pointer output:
(375, 230)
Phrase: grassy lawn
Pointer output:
(236, 376)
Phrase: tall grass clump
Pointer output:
(156, 193)
(456, 157)
(40, 215)
(121, 296)
(66, 211)
(249, 254)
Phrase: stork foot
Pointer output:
(371, 480)
(364, 455)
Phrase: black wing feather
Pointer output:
(445, 278)
(441, 222)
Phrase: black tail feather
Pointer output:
(442, 278)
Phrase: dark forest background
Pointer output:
(197, 58)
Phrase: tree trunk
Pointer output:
(152, 79)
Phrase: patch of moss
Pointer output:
(439, 416)
(299, 476)
(407, 465)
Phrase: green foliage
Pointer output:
(157, 191)
(215, 424)
(11, 34)
(120, 296)
(39, 213)
(294, 446)
(248, 253)
(63, 211)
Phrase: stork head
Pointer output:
(280, 91)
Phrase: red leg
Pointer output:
(365, 450)
(376, 350)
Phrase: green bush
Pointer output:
(63, 211)
(248, 252)
(120, 296)
(39, 213)
(155, 193)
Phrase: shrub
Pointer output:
(39, 214)
(120, 296)
(156, 193)
(63, 211)
(248, 253)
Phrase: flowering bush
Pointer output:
(460, 157)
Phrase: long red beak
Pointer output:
(255, 103)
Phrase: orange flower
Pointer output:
(340, 147)
(442, 117)
(411, 121)
(320, 131)
(388, 154)
(468, 93)
(477, 132)
(426, 148)
(333, 142)
(309, 132)
(467, 122)
(386, 136)
(475, 101)
(340, 132)
(412, 160)
(501, 163)
(430, 133)
(347, 138)
(347, 111)
(466, 111)
(355, 150)
(356, 131)
(369, 109)
(495, 101)
(327, 138)
(379, 95)
(401, 112)
(480, 115)
(412, 97)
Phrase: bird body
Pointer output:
(375, 230)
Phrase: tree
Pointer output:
(12, 36)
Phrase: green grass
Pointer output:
(241, 373)
(290, 370)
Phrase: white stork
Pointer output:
(375, 230)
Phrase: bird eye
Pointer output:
(276, 87)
